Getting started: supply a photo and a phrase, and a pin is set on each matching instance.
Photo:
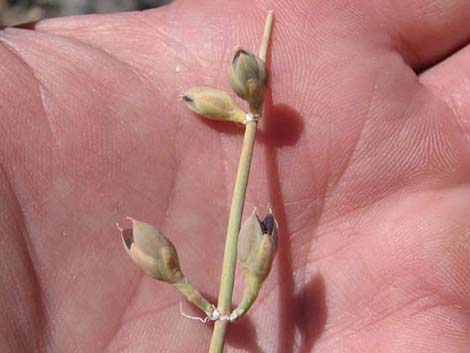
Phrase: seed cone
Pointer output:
(152, 252)
(156, 255)
(213, 104)
(248, 77)
(257, 246)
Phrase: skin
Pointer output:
(363, 153)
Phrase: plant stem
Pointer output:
(263, 48)
(193, 296)
(236, 211)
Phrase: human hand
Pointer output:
(365, 163)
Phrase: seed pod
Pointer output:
(152, 252)
(248, 77)
(156, 255)
(257, 247)
(213, 104)
(257, 244)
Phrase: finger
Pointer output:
(425, 31)
(451, 81)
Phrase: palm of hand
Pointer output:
(365, 166)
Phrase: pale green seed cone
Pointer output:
(152, 252)
(257, 246)
(250, 234)
(248, 77)
(213, 104)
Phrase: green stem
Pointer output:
(252, 288)
(192, 295)
(230, 253)
(236, 211)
